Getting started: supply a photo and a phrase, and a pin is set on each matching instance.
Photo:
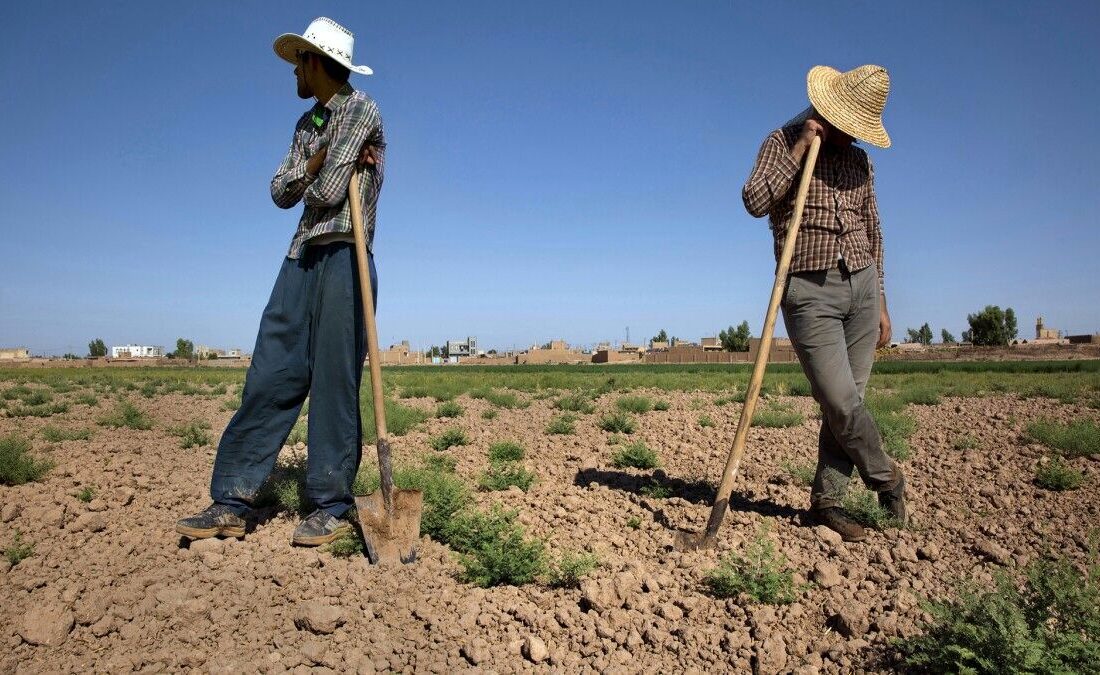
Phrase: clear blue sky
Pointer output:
(555, 170)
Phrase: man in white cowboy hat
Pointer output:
(311, 338)
(834, 305)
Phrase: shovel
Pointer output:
(389, 518)
(690, 541)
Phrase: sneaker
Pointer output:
(836, 520)
(320, 527)
(894, 502)
(216, 520)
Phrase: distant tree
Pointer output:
(211, 355)
(922, 335)
(545, 346)
(948, 338)
(435, 351)
(735, 339)
(97, 348)
(492, 352)
(991, 327)
(185, 349)
(660, 337)
(70, 357)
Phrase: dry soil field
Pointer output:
(581, 576)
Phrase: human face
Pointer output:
(302, 73)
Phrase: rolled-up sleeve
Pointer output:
(771, 177)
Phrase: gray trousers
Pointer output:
(832, 317)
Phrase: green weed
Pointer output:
(761, 573)
(661, 405)
(776, 417)
(965, 442)
(505, 451)
(449, 438)
(705, 421)
(488, 414)
(636, 455)
(571, 568)
(1057, 474)
(562, 424)
(193, 435)
(493, 549)
(862, 506)
(57, 434)
(619, 423)
(803, 473)
(86, 494)
(17, 465)
(503, 475)
(638, 405)
(1075, 439)
(634, 522)
(1048, 624)
(18, 550)
(127, 415)
(578, 402)
(449, 409)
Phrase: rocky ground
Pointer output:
(111, 588)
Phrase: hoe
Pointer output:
(689, 541)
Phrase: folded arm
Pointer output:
(345, 146)
(291, 178)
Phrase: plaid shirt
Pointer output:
(349, 119)
(841, 216)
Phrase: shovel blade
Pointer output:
(391, 538)
(682, 540)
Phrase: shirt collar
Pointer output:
(339, 97)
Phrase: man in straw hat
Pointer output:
(311, 338)
(834, 305)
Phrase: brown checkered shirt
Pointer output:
(841, 216)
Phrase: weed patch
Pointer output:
(503, 475)
(449, 409)
(193, 435)
(661, 405)
(562, 425)
(17, 465)
(862, 506)
(505, 451)
(705, 421)
(127, 415)
(57, 434)
(776, 418)
(618, 423)
(86, 494)
(965, 442)
(1056, 474)
(803, 473)
(450, 438)
(568, 571)
(578, 402)
(1048, 624)
(1076, 439)
(639, 405)
(18, 550)
(761, 573)
(636, 455)
(493, 549)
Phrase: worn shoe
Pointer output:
(894, 502)
(836, 520)
(216, 520)
(320, 527)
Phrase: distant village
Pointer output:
(706, 350)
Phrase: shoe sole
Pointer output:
(206, 533)
(322, 539)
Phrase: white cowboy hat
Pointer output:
(852, 101)
(324, 36)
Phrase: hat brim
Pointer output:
(840, 112)
(288, 45)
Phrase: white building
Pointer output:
(136, 352)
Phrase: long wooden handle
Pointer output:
(733, 462)
(384, 466)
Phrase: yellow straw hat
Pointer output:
(852, 101)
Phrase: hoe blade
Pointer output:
(391, 537)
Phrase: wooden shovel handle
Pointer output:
(733, 462)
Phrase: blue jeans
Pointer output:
(311, 343)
